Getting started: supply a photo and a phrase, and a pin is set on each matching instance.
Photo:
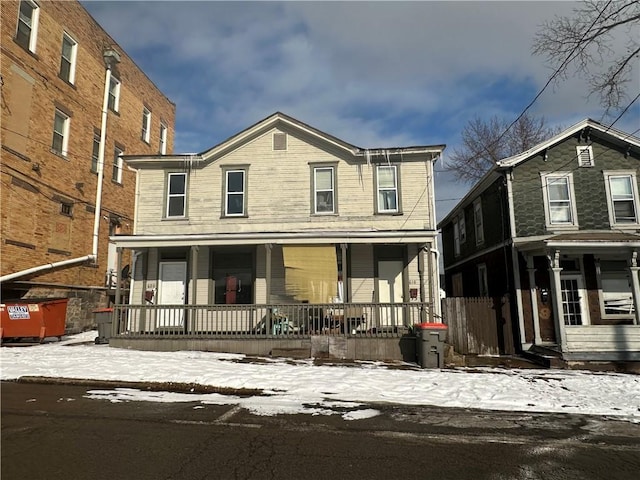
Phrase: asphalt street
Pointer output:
(54, 432)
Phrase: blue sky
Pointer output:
(374, 74)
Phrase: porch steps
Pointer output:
(546, 357)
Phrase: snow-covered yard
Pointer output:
(299, 386)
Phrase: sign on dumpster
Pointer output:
(18, 312)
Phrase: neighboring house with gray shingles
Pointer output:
(557, 228)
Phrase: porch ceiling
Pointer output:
(590, 241)
(278, 238)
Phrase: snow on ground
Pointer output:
(302, 387)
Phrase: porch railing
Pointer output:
(261, 321)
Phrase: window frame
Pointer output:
(545, 178)
(95, 155)
(635, 198)
(462, 226)
(579, 151)
(378, 208)
(226, 170)
(478, 221)
(66, 120)
(169, 195)
(116, 174)
(33, 28)
(456, 238)
(114, 93)
(71, 77)
(334, 190)
(162, 146)
(146, 125)
(612, 274)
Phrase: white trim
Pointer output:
(396, 189)
(163, 139)
(559, 226)
(116, 174)
(582, 292)
(608, 174)
(175, 195)
(66, 120)
(243, 192)
(115, 93)
(332, 190)
(72, 60)
(35, 17)
(585, 160)
(146, 124)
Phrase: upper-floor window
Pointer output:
(235, 193)
(95, 152)
(559, 200)
(146, 124)
(324, 189)
(462, 227)
(478, 222)
(456, 237)
(60, 141)
(163, 139)
(114, 94)
(27, 30)
(585, 156)
(622, 197)
(176, 195)
(116, 175)
(387, 188)
(68, 58)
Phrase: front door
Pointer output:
(574, 311)
(390, 290)
(171, 291)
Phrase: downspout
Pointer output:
(437, 301)
(109, 56)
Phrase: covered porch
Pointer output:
(580, 295)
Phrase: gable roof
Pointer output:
(489, 177)
(268, 123)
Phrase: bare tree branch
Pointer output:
(585, 44)
(484, 142)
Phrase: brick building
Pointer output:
(54, 75)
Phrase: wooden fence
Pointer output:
(480, 326)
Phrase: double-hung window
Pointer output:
(235, 193)
(456, 238)
(324, 188)
(95, 152)
(60, 139)
(146, 124)
(622, 198)
(478, 222)
(163, 139)
(27, 30)
(387, 188)
(558, 195)
(176, 195)
(114, 94)
(616, 297)
(68, 58)
(116, 175)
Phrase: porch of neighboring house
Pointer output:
(339, 300)
(580, 302)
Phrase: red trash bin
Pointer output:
(36, 318)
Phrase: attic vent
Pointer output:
(585, 156)
(279, 141)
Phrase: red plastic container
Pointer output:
(33, 318)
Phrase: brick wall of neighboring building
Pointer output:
(36, 181)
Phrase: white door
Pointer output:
(171, 290)
(574, 307)
(390, 290)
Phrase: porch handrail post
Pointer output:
(635, 284)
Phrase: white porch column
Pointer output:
(531, 269)
(267, 248)
(556, 289)
(635, 284)
(194, 275)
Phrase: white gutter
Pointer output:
(109, 55)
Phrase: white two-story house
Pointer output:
(282, 232)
